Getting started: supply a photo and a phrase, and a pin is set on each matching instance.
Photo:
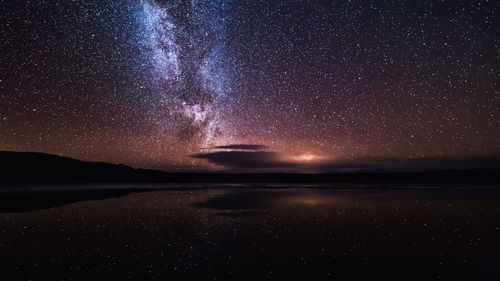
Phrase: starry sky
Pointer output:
(221, 84)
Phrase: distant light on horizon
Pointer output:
(307, 158)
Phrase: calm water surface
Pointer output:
(255, 234)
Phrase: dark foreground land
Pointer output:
(31, 167)
(251, 234)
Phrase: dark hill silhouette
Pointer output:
(33, 167)
(21, 167)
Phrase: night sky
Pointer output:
(201, 85)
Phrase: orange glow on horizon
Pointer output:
(306, 158)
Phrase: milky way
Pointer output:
(186, 44)
(152, 83)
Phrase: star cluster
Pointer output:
(150, 83)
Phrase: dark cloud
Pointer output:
(246, 159)
(242, 146)
(273, 162)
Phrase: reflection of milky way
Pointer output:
(186, 50)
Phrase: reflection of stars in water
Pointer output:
(182, 233)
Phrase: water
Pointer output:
(243, 233)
